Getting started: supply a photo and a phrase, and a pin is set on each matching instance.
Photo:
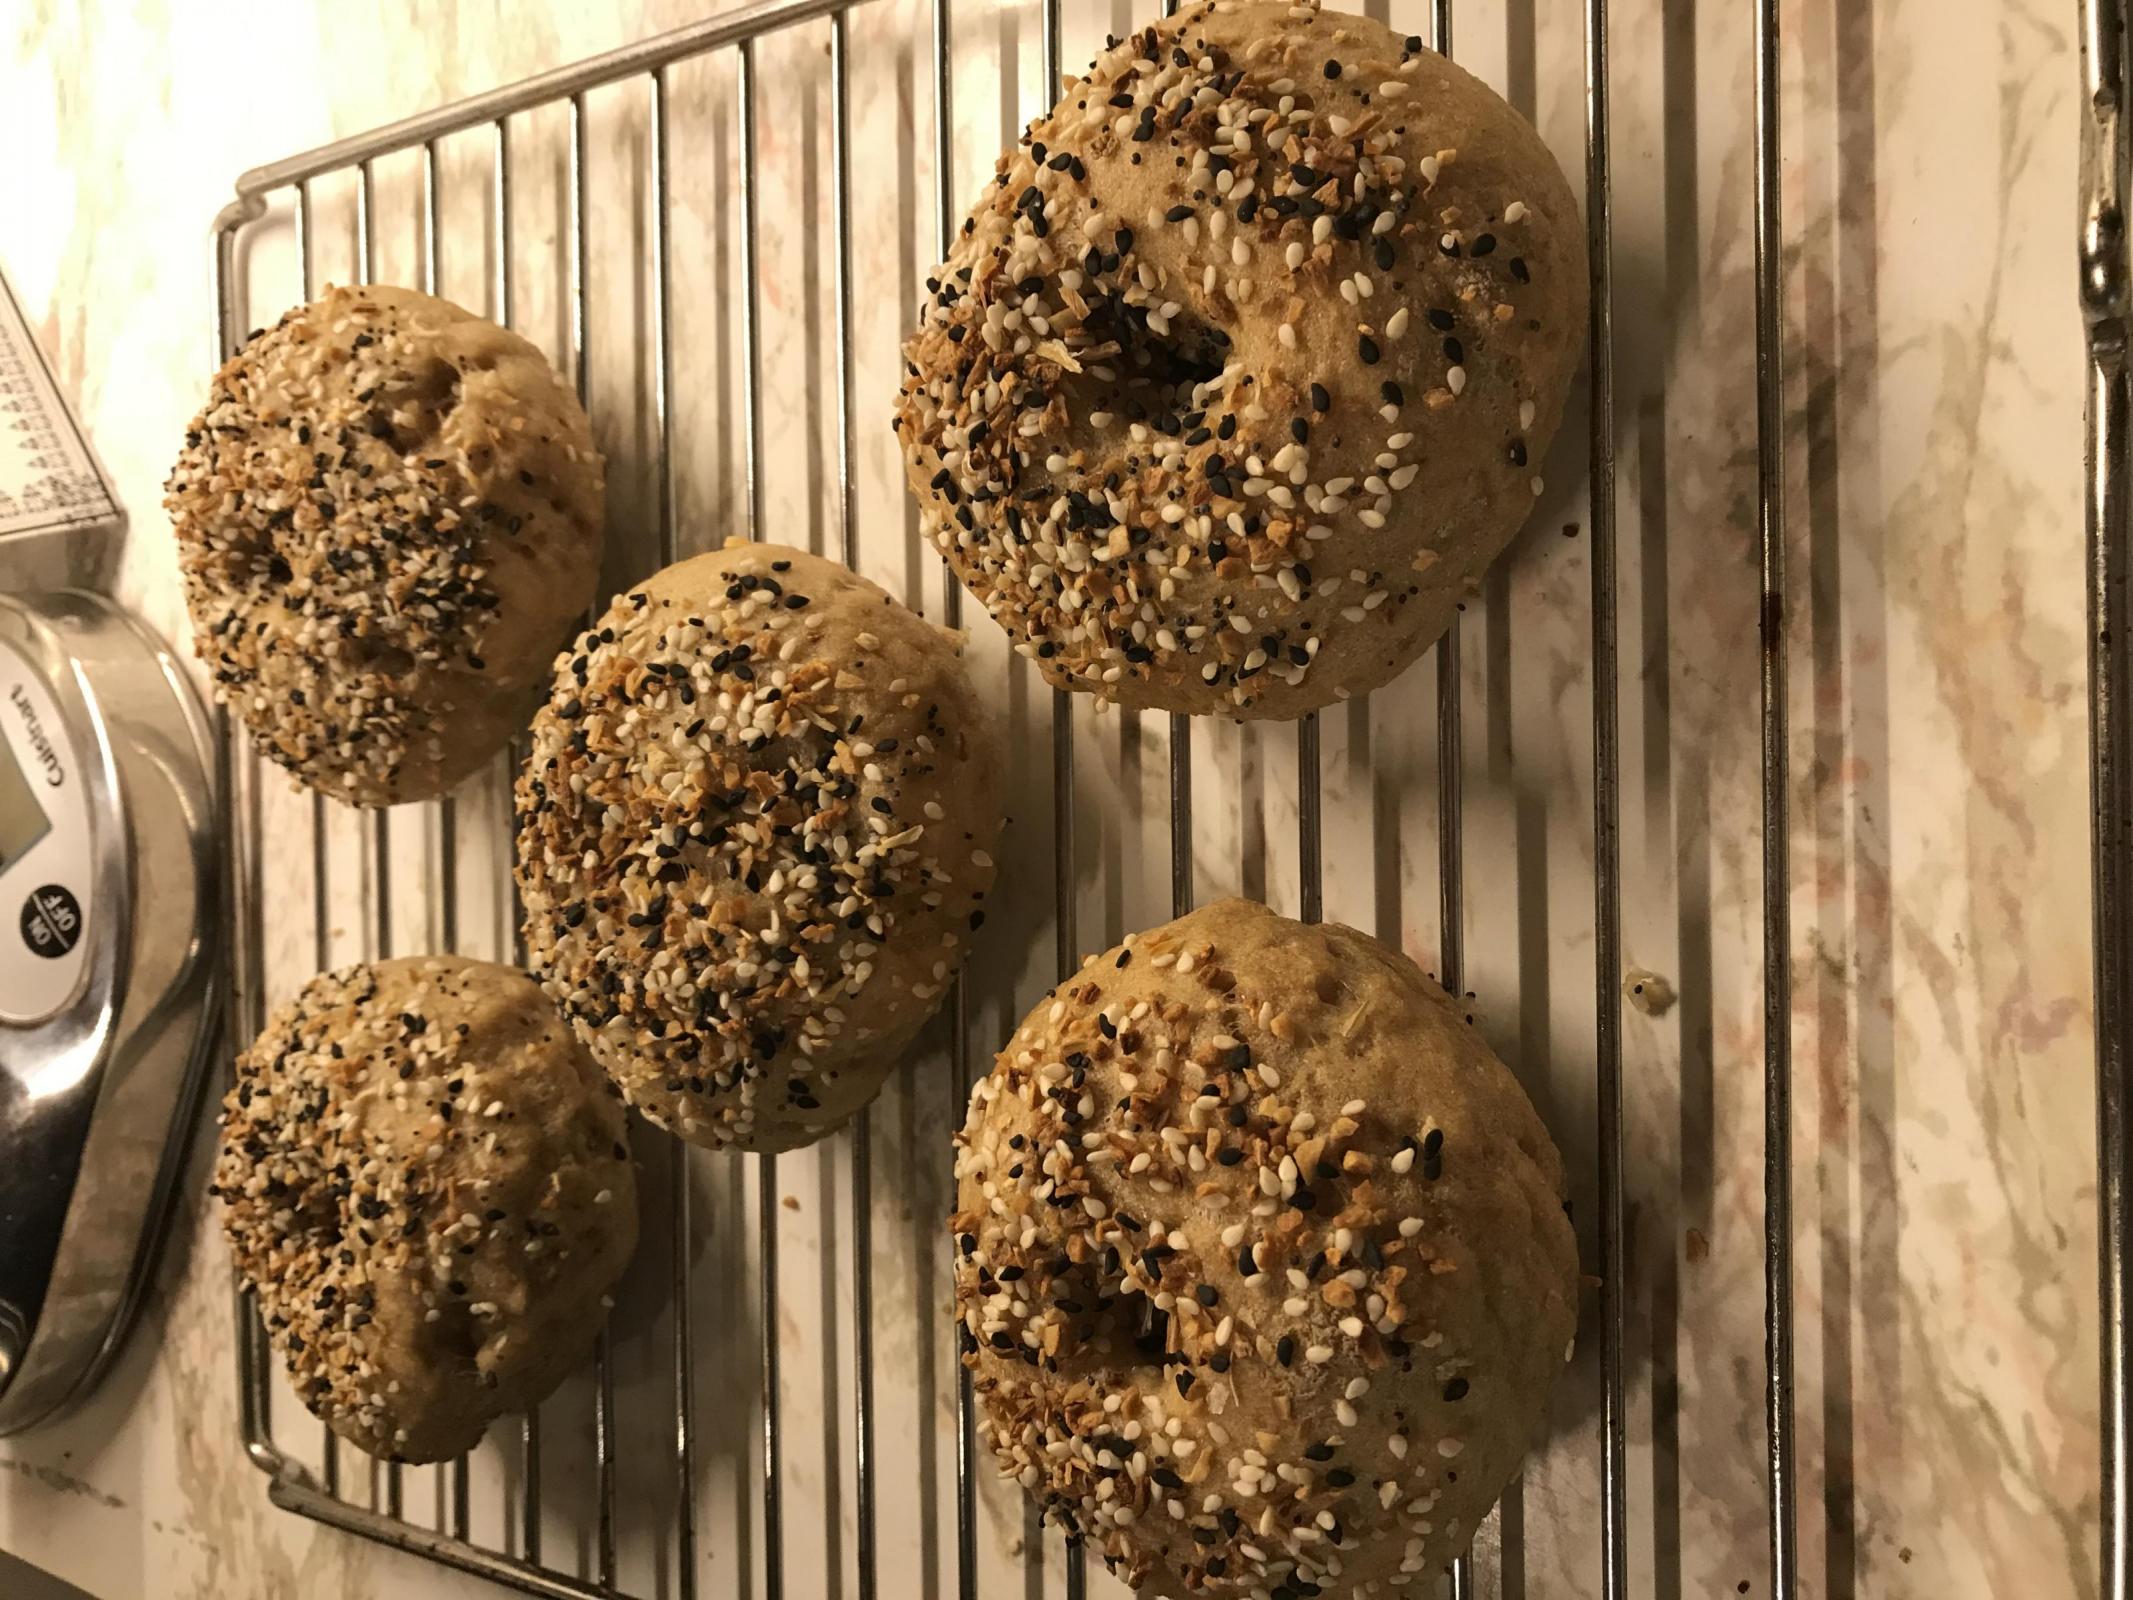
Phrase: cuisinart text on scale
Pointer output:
(55, 774)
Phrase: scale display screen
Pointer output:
(22, 820)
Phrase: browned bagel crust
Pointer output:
(754, 838)
(1240, 374)
(388, 518)
(424, 1182)
(1262, 1267)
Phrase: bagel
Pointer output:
(1240, 374)
(1262, 1267)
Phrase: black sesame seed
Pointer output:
(1456, 1389)
(1320, 400)
(1367, 348)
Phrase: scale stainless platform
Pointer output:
(109, 911)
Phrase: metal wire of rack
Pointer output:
(519, 1560)
(2106, 288)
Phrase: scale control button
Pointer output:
(51, 921)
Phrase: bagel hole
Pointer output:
(1119, 1326)
(1155, 373)
(388, 659)
(410, 414)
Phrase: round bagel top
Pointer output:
(1261, 1259)
(424, 1181)
(754, 837)
(1239, 374)
(388, 517)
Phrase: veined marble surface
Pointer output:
(1944, 1181)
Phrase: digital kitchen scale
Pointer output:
(108, 912)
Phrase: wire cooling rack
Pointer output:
(585, 1502)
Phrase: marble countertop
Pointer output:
(1944, 1181)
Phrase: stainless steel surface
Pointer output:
(1606, 805)
(944, 204)
(2107, 306)
(744, 81)
(96, 1100)
(321, 880)
(649, 65)
(503, 302)
(678, 1200)
(1451, 834)
(862, 1214)
(1777, 880)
